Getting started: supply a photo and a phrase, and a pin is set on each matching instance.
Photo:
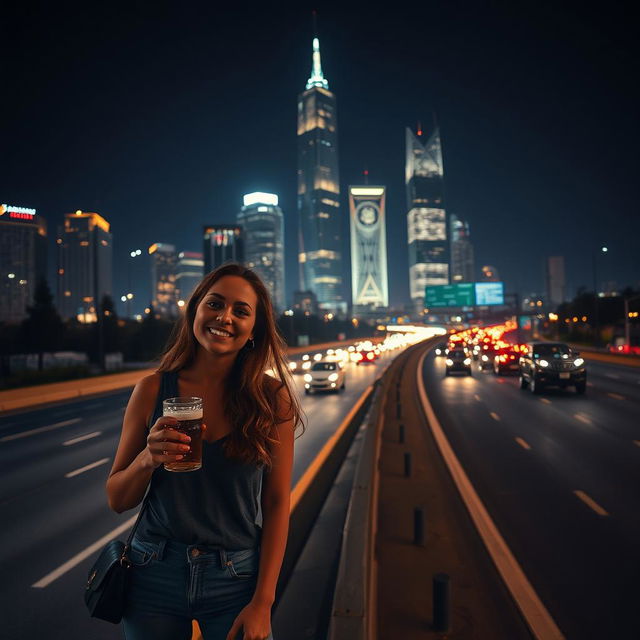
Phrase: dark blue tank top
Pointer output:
(218, 505)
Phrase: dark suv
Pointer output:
(546, 364)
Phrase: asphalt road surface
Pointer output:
(54, 463)
(560, 475)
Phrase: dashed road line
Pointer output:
(495, 416)
(88, 467)
(584, 419)
(613, 376)
(87, 436)
(590, 502)
(83, 555)
(32, 432)
(616, 396)
(545, 400)
(523, 443)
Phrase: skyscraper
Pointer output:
(85, 249)
(462, 261)
(319, 254)
(262, 225)
(163, 279)
(222, 243)
(369, 287)
(23, 259)
(556, 283)
(426, 218)
(189, 273)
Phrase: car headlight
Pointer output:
(306, 365)
(449, 361)
(308, 377)
(485, 357)
(467, 360)
(438, 352)
(578, 362)
(543, 363)
(333, 377)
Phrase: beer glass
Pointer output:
(188, 413)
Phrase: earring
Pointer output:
(251, 344)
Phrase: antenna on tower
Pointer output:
(315, 23)
(419, 128)
(366, 176)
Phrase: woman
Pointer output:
(198, 552)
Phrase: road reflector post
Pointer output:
(401, 433)
(441, 602)
(418, 526)
(407, 465)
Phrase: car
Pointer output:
(507, 360)
(366, 356)
(441, 350)
(546, 364)
(486, 355)
(324, 375)
(458, 360)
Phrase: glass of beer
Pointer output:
(188, 413)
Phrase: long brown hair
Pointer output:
(251, 397)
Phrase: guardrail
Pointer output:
(27, 397)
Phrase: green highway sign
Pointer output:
(451, 295)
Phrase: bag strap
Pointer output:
(145, 502)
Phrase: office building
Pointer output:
(369, 284)
(222, 243)
(85, 254)
(556, 282)
(462, 260)
(262, 225)
(306, 302)
(189, 273)
(163, 279)
(427, 227)
(319, 256)
(23, 259)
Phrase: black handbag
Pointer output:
(106, 587)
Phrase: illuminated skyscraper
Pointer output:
(163, 279)
(262, 225)
(462, 261)
(23, 259)
(222, 243)
(427, 226)
(319, 255)
(369, 288)
(85, 249)
(189, 273)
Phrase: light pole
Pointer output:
(627, 324)
(596, 319)
(133, 254)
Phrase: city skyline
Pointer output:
(511, 161)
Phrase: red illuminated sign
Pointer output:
(20, 216)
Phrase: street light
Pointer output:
(596, 319)
(627, 324)
(133, 254)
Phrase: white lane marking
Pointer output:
(87, 436)
(535, 613)
(590, 502)
(31, 432)
(613, 376)
(88, 467)
(495, 416)
(523, 443)
(616, 396)
(582, 418)
(83, 555)
(477, 397)
(545, 400)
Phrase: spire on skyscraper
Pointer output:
(317, 78)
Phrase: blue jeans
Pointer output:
(171, 584)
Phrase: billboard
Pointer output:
(464, 294)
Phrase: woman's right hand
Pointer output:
(165, 444)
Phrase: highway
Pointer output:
(560, 475)
(54, 463)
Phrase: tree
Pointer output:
(43, 329)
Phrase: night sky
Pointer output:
(161, 116)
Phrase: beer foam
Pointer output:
(179, 414)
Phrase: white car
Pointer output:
(324, 375)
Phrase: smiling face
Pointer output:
(226, 316)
